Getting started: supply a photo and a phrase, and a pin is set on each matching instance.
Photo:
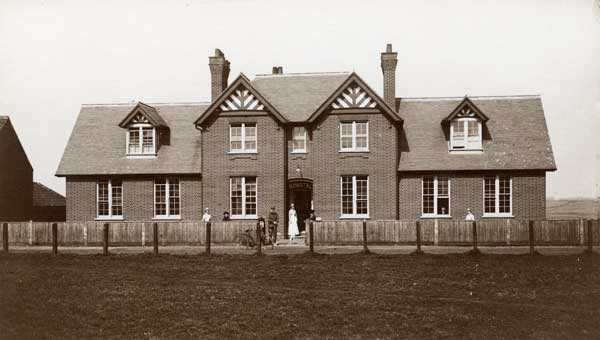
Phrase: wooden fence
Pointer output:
(445, 232)
(433, 232)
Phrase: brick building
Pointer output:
(323, 141)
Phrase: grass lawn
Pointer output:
(300, 297)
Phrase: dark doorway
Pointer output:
(300, 193)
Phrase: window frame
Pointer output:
(497, 212)
(435, 213)
(304, 139)
(243, 139)
(354, 136)
(110, 215)
(168, 184)
(468, 145)
(140, 129)
(354, 213)
(243, 216)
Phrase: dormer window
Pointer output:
(141, 140)
(145, 131)
(464, 126)
(465, 134)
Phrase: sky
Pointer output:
(57, 55)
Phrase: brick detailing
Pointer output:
(16, 177)
(466, 191)
(267, 165)
(138, 198)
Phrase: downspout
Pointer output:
(199, 128)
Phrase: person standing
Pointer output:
(206, 217)
(293, 223)
(470, 216)
(272, 221)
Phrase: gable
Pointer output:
(354, 93)
(353, 97)
(143, 114)
(466, 109)
(240, 96)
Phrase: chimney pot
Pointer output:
(388, 48)
(277, 69)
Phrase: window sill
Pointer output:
(353, 151)
(465, 151)
(254, 152)
(299, 152)
(435, 216)
(166, 218)
(141, 156)
(497, 216)
(249, 217)
(354, 217)
(109, 218)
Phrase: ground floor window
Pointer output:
(243, 197)
(109, 198)
(435, 196)
(497, 196)
(167, 198)
(355, 196)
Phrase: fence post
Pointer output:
(365, 248)
(258, 238)
(311, 243)
(30, 232)
(105, 239)
(590, 236)
(208, 236)
(474, 225)
(54, 239)
(5, 237)
(155, 237)
(418, 224)
(531, 238)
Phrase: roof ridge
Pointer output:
(471, 97)
(299, 74)
(148, 104)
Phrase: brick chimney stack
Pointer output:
(389, 60)
(219, 73)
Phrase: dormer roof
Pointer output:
(143, 113)
(466, 109)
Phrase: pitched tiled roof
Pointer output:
(297, 96)
(46, 197)
(518, 136)
(97, 143)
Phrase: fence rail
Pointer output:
(433, 232)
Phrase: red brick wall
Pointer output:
(16, 178)
(267, 165)
(327, 164)
(138, 198)
(466, 191)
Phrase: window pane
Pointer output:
(489, 195)
(148, 140)
(299, 139)
(250, 196)
(458, 134)
(160, 197)
(103, 198)
(362, 194)
(236, 196)
(442, 186)
(236, 131)
(346, 129)
(117, 198)
(174, 197)
(361, 129)
(428, 195)
(250, 145)
(347, 195)
(473, 127)
(346, 142)
(250, 131)
(361, 142)
(504, 194)
(134, 141)
(236, 146)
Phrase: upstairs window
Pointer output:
(299, 139)
(465, 134)
(242, 138)
(436, 196)
(141, 140)
(497, 196)
(354, 136)
(109, 199)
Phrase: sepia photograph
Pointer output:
(260, 169)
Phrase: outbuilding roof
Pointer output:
(3, 120)
(46, 197)
(97, 143)
(515, 137)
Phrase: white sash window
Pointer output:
(465, 134)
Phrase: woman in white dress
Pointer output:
(293, 223)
